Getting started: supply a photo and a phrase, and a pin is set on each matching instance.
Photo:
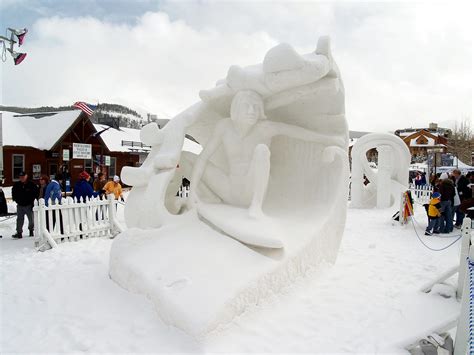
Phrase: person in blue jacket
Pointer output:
(82, 188)
(53, 192)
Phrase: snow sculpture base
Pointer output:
(199, 280)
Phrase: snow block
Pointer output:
(199, 279)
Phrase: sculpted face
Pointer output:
(246, 110)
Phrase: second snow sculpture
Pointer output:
(391, 178)
(268, 192)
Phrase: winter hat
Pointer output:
(84, 175)
(444, 176)
(116, 178)
(436, 195)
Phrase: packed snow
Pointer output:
(40, 132)
(63, 300)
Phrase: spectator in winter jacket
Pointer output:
(434, 214)
(114, 187)
(24, 193)
(3, 202)
(464, 192)
(99, 184)
(53, 192)
(447, 191)
(82, 188)
(44, 181)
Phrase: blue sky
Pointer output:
(23, 13)
(403, 63)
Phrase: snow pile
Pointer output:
(370, 302)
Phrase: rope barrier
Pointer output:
(434, 235)
(470, 265)
(433, 249)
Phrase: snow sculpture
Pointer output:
(391, 178)
(268, 191)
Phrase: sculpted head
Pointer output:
(247, 107)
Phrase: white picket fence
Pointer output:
(71, 220)
(183, 191)
(463, 292)
(421, 194)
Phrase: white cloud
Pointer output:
(402, 64)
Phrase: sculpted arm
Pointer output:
(278, 128)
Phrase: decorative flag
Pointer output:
(84, 107)
(407, 207)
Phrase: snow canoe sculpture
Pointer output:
(268, 192)
(391, 178)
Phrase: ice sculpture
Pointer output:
(268, 192)
(391, 177)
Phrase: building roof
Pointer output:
(37, 130)
(42, 131)
(128, 140)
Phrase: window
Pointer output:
(422, 140)
(113, 167)
(88, 165)
(18, 161)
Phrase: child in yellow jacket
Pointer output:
(434, 212)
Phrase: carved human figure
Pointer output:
(245, 138)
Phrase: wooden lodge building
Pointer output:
(66, 143)
(421, 141)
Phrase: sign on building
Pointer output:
(66, 154)
(81, 151)
(36, 171)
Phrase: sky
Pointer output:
(404, 64)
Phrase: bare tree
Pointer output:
(461, 141)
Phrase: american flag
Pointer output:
(86, 108)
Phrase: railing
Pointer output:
(71, 220)
(463, 323)
(421, 193)
(134, 144)
(183, 192)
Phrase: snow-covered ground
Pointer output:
(64, 301)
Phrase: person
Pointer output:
(99, 184)
(82, 188)
(245, 139)
(418, 180)
(447, 191)
(423, 179)
(434, 214)
(3, 202)
(464, 192)
(53, 192)
(24, 193)
(44, 181)
(114, 187)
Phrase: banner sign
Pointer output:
(81, 151)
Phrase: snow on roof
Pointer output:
(113, 140)
(41, 132)
(430, 142)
